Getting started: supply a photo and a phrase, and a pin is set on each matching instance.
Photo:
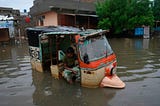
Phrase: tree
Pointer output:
(156, 10)
(141, 14)
(120, 15)
(103, 11)
(112, 15)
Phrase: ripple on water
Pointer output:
(24, 59)
(5, 63)
(135, 79)
(14, 86)
(143, 70)
(25, 64)
(138, 74)
(3, 82)
(157, 64)
(25, 68)
(121, 67)
(16, 75)
(3, 66)
(149, 66)
(11, 69)
(149, 61)
(7, 60)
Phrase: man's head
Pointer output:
(70, 52)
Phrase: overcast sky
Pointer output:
(17, 4)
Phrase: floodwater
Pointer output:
(138, 66)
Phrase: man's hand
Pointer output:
(70, 69)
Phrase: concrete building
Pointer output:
(13, 24)
(9, 12)
(78, 13)
(8, 20)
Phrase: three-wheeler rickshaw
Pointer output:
(96, 60)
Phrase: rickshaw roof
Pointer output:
(65, 30)
(88, 32)
(55, 29)
(61, 33)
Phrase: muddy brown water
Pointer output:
(138, 66)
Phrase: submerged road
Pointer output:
(138, 66)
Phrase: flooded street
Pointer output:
(138, 66)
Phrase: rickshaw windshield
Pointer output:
(94, 48)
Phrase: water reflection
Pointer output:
(49, 91)
(136, 44)
(146, 43)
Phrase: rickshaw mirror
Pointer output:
(86, 58)
(61, 55)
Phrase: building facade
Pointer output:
(77, 13)
(9, 12)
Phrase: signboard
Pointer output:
(139, 31)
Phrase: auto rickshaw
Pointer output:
(96, 60)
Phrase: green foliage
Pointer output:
(156, 10)
(104, 24)
(120, 15)
(141, 15)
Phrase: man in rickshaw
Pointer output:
(71, 71)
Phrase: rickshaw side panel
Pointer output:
(35, 58)
(34, 49)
